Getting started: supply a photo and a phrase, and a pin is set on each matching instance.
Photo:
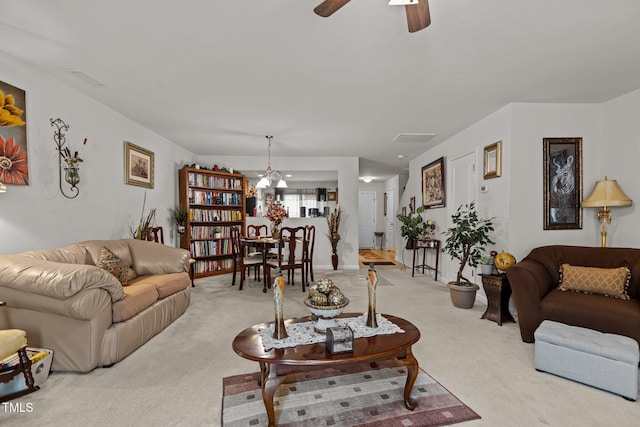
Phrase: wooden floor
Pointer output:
(376, 255)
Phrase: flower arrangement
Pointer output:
(143, 230)
(333, 221)
(276, 213)
(72, 161)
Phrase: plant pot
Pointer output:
(486, 269)
(410, 243)
(462, 296)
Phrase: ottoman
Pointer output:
(606, 361)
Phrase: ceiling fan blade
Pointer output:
(418, 16)
(328, 7)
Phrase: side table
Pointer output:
(425, 245)
(498, 291)
(379, 234)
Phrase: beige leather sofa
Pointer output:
(83, 313)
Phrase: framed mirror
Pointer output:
(493, 160)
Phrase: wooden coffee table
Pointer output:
(275, 364)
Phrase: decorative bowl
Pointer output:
(325, 314)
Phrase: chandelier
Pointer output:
(271, 175)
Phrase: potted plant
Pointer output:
(413, 226)
(217, 232)
(466, 240)
(486, 264)
(179, 215)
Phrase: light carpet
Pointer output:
(362, 397)
(176, 378)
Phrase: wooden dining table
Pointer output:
(263, 244)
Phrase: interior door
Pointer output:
(463, 184)
(367, 219)
(389, 229)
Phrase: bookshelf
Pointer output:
(215, 202)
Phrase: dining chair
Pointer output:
(156, 235)
(308, 259)
(257, 230)
(241, 262)
(291, 254)
(15, 341)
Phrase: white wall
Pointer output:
(495, 203)
(620, 159)
(347, 168)
(532, 123)
(37, 216)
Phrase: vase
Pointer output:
(279, 330)
(275, 230)
(72, 176)
(334, 260)
(371, 290)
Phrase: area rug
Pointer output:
(379, 262)
(369, 255)
(330, 397)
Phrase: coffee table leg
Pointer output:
(269, 382)
(411, 364)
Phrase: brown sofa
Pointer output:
(534, 282)
(83, 313)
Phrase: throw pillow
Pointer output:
(611, 282)
(110, 262)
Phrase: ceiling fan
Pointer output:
(417, 11)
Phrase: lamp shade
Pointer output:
(606, 193)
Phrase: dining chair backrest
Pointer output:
(156, 235)
(257, 230)
(311, 241)
(236, 243)
(292, 242)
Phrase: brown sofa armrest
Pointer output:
(530, 281)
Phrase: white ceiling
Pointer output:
(217, 76)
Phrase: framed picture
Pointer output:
(404, 211)
(493, 160)
(332, 196)
(384, 206)
(412, 205)
(562, 183)
(433, 189)
(138, 165)
(14, 162)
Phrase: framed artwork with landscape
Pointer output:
(138, 165)
(433, 189)
(562, 183)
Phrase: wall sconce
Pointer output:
(71, 174)
(605, 194)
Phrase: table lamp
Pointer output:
(605, 194)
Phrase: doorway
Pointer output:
(389, 229)
(367, 219)
(463, 190)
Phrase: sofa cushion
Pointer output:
(138, 296)
(118, 247)
(166, 284)
(110, 262)
(597, 312)
(611, 282)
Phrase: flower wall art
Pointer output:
(14, 167)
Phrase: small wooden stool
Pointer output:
(379, 234)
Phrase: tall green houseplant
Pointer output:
(467, 238)
(412, 226)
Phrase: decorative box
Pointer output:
(339, 339)
(40, 366)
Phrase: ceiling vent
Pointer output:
(414, 137)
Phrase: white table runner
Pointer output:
(303, 333)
